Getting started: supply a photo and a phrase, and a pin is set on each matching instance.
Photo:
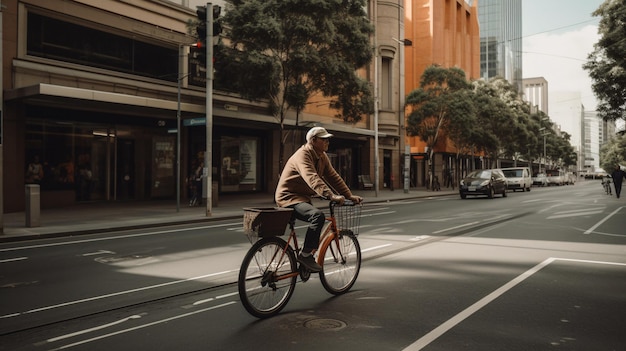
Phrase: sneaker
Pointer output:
(309, 263)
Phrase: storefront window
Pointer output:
(163, 184)
(49, 155)
(81, 159)
(239, 170)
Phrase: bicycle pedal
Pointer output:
(305, 273)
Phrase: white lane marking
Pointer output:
(378, 214)
(227, 295)
(17, 314)
(99, 252)
(375, 248)
(94, 298)
(200, 302)
(590, 230)
(456, 227)
(13, 259)
(85, 331)
(143, 326)
(118, 237)
(573, 214)
(452, 322)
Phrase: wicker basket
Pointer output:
(261, 222)
(348, 218)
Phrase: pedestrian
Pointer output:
(195, 185)
(34, 172)
(618, 175)
(308, 173)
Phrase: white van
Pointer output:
(518, 178)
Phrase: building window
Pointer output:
(239, 164)
(386, 85)
(64, 41)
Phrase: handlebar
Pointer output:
(346, 202)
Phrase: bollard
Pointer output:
(214, 194)
(32, 209)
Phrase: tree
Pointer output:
(442, 95)
(613, 152)
(607, 63)
(289, 50)
(495, 118)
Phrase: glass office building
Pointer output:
(501, 40)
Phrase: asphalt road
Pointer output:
(539, 270)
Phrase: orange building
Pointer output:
(446, 33)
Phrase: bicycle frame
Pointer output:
(292, 241)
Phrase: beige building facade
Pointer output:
(91, 92)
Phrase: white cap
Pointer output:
(318, 132)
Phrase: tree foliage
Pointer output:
(607, 63)
(287, 50)
(441, 98)
(495, 118)
(613, 152)
(481, 116)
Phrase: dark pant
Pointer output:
(304, 211)
(618, 188)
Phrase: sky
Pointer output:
(558, 35)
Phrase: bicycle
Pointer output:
(269, 271)
(607, 186)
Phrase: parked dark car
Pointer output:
(484, 182)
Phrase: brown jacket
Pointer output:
(305, 175)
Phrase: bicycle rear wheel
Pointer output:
(342, 263)
(260, 292)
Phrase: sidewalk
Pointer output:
(101, 217)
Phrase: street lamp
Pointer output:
(545, 162)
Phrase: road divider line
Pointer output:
(577, 214)
(117, 237)
(375, 248)
(99, 252)
(86, 341)
(13, 259)
(136, 316)
(590, 230)
(452, 322)
(591, 261)
(456, 227)
(94, 298)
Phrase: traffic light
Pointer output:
(217, 26)
(201, 26)
(201, 30)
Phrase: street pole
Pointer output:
(545, 160)
(208, 153)
(376, 157)
(178, 79)
(1, 131)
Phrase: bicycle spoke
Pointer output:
(265, 279)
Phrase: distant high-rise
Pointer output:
(501, 40)
(536, 93)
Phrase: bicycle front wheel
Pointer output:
(342, 263)
(266, 282)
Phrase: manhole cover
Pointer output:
(325, 324)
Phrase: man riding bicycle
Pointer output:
(308, 173)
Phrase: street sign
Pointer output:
(194, 122)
